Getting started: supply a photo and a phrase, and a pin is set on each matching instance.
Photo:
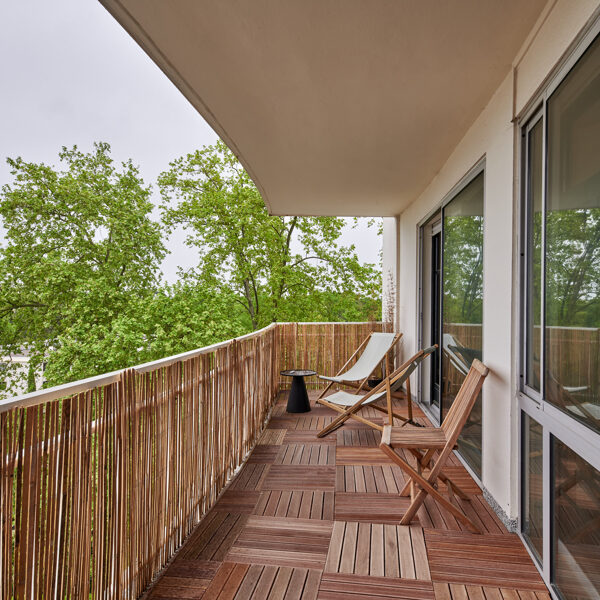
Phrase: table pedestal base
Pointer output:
(298, 398)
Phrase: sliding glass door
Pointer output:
(452, 305)
(560, 402)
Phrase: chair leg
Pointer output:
(426, 488)
(409, 400)
(424, 460)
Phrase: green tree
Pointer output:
(463, 269)
(573, 267)
(80, 250)
(276, 267)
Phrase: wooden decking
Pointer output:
(318, 519)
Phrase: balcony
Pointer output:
(186, 478)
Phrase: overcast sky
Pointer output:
(71, 75)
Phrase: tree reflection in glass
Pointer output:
(463, 305)
(573, 243)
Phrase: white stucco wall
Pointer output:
(492, 136)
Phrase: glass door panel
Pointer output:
(572, 333)
(533, 268)
(576, 525)
(431, 301)
(462, 299)
(532, 516)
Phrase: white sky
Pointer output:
(71, 75)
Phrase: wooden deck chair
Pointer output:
(348, 404)
(377, 346)
(424, 443)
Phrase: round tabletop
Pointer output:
(298, 373)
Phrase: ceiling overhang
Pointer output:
(335, 107)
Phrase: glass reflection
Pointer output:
(463, 305)
(532, 501)
(573, 243)
(534, 255)
(576, 525)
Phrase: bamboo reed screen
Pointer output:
(98, 490)
(321, 347)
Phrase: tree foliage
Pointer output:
(277, 268)
(463, 269)
(572, 268)
(80, 283)
(80, 247)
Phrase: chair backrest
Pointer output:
(463, 403)
(400, 375)
(378, 346)
(449, 346)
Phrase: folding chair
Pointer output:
(377, 346)
(423, 445)
(349, 404)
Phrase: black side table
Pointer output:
(298, 398)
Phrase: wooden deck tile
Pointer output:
(251, 477)
(370, 508)
(358, 437)
(283, 542)
(260, 582)
(310, 517)
(306, 454)
(378, 550)
(298, 477)
(306, 422)
(459, 475)
(455, 591)
(356, 455)
(337, 586)
(213, 538)
(372, 479)
(308, 437)
(264, 453)
(272, 435)
(490, 560)
(238, 501)
(432, 516)
(296, 504)
(185, 579)
(226, 582)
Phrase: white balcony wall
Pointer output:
(493, 137)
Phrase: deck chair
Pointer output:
(377, 346)
(423, 444)
(348, 405)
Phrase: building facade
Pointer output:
(499, 258)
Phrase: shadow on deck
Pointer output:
(318, 519)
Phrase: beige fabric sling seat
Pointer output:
(348, 405)
(377, 346)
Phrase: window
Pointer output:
(562, 263)
(576, 526)
(463, 306)
(532, 473)
(560, 373)
(452, 305)
(573, 243)
(533, 319)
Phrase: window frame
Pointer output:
(556, 423)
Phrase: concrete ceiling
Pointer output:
(335, 107)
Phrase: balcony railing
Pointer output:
(103, 479)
